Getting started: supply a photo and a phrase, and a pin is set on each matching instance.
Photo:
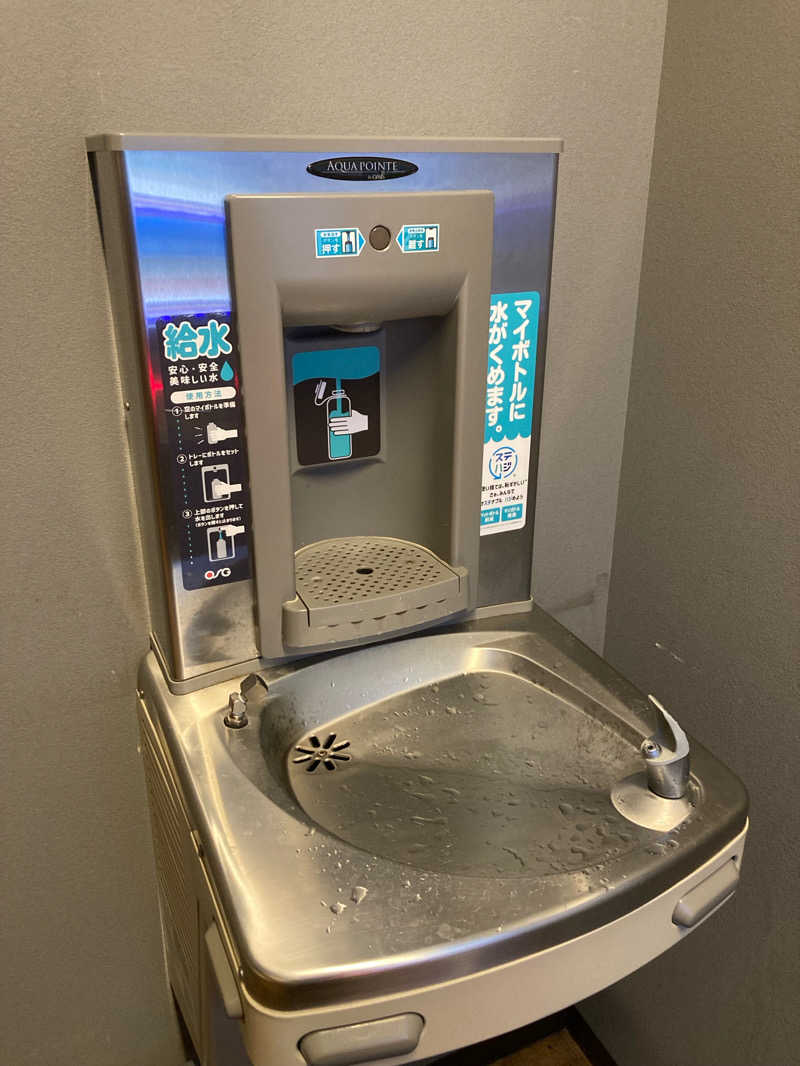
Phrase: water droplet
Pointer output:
(226, 373)
(358, 893)
(338, 908)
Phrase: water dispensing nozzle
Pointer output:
(357, 327)
(666, 756)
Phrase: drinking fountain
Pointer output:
(396, 807)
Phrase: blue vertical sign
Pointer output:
(204, 466)
(508, 424)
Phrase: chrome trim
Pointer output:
(125, 142)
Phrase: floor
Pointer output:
(558, 1049)
(563, 1039)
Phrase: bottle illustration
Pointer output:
(221, 546)
(222, 541)
(340, 445)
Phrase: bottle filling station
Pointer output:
(396, 808)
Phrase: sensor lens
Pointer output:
(379, 237)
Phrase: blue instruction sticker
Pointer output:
(204, 462)
(419, 238)
(508, 424)
(338, 243)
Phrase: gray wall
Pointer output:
(81, 946)
(705, 597)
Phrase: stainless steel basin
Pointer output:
(418, 810)
(498, 769)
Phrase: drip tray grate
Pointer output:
(362, 586)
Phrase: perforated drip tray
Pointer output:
(360, 586)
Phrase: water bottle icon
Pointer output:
(340, 445)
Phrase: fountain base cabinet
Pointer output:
(386, 789)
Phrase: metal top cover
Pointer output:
(191, 142)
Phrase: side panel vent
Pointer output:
(174, 855)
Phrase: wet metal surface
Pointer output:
(477, 775)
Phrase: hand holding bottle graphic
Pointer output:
(354, 422)
(341, 420)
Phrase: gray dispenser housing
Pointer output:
(362, 549)
(224, 602)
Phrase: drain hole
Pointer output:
(317, 754)
(364, 570)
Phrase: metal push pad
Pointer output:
(703, 898)
(222, 971)
(363, 1042)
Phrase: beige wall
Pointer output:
(81, 948)
(705, 588)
